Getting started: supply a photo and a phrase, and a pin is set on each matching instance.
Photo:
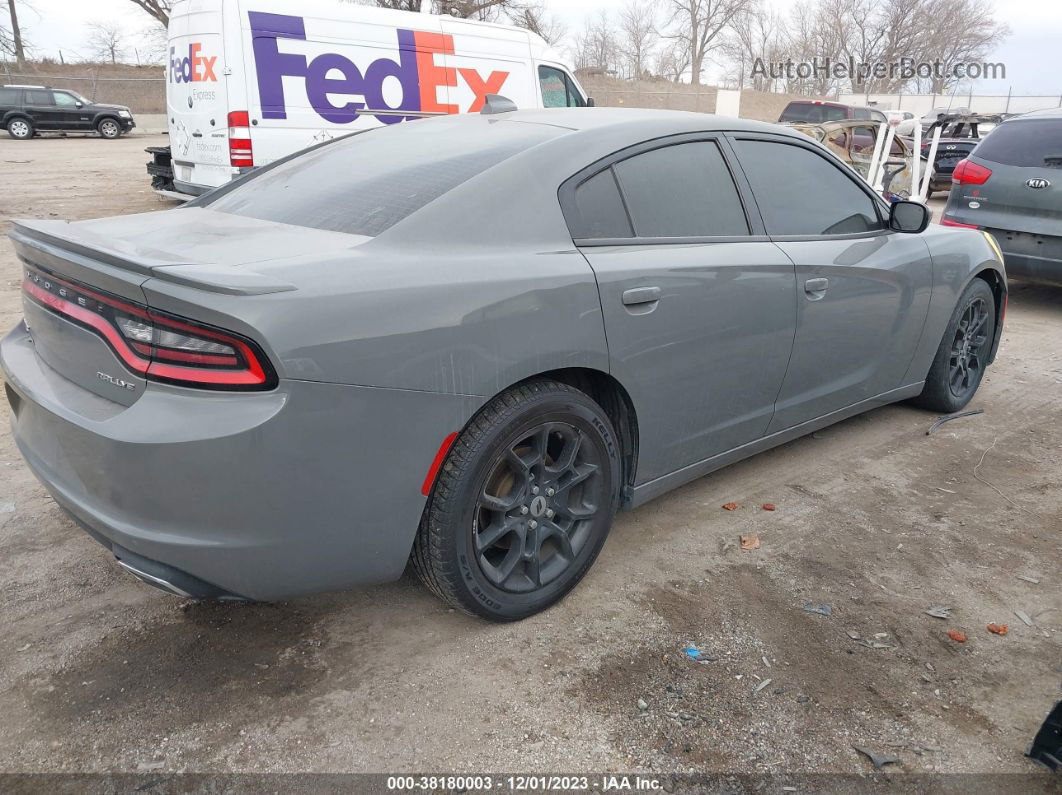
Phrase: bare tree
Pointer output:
(11, 39)
(159, 9)
(106, 41)
(596, 49)
(754, 38)
(535, 17)
(673, 61)
(700, 24)
(637, 36)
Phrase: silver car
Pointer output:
(466, 342)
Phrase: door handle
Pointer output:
(641, 295)
(816, 287)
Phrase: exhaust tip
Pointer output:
(169, 579)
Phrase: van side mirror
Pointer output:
(908, 217)
(590, 102)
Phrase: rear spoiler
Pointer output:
(60, 239)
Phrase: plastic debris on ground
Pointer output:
(957, 636)
(769, 506)
(1024, 618)
(750, 542)
(822, 610)
(879, 760)
(730, 506)
(938, 611)
(998, 629)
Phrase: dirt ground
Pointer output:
(99, 672)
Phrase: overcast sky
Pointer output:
(1030, 54)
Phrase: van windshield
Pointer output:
(809, 112)
(366, 183)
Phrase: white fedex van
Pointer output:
(250, 81)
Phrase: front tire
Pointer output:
(522, 504)
(20, 129)
(961, 359)
(109, 128)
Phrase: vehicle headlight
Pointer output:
(125, 114)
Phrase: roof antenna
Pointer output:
(496, 103)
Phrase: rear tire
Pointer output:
(20, 129)
(961, 359)
(522, 504)
(109, 128)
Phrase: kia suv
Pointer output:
(1011, 186)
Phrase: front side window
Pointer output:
(683, 190)
(802, 193)
(558, 90)
(64, 100)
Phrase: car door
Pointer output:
(41, 108)
(862, 290)
(68, 112)
(698, 305)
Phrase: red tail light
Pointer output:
(241, 154)
(156, 345)
(967, 173)
(949, 222)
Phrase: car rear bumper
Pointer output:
(1029, 256)
(309, 487)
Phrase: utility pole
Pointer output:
(16, 35)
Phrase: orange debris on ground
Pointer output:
(957, 636)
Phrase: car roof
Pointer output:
(668, 121)
(1046, 113)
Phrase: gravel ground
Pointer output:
(875, 518)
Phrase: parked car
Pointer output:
(1011, 186)
(814, 111)
(468, 341)
(251, 81)
(959, 134)
(853, 142)
(28, 110)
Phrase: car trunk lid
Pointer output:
(77, 275)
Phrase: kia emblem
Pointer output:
(1037, 183)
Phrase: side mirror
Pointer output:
(79, 105)
(907, 216)
(590, 102)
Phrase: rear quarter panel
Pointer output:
(958, 255)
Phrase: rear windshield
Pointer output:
(1027, 143)
(806, 111)
(365, 183)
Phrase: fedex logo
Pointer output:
(193, 69)
(416, 71)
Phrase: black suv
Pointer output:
(27, 110)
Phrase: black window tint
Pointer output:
(598, 209)
(684, 190)
(1028, 143)
(810, 112)
(802, 193)
(365, 183)
(8, 96)
(39, 98)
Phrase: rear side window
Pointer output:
(366, 183)
(598, 210)
(1029, 143)
(683, 190)
(809, 112)
(39, 98)
(802, 193)
(9, 96)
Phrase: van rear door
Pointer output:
(196, 96)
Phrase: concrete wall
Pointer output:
(615, 93)
(921, 104)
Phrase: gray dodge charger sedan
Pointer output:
(466, 342)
